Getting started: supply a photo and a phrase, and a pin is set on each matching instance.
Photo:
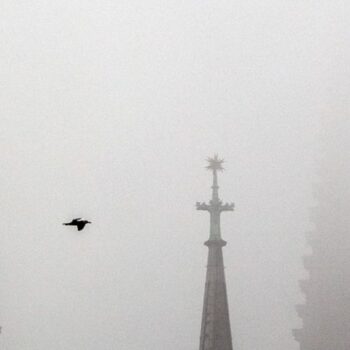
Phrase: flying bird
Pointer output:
(80, 224)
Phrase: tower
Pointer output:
(325, 313)
(215, 329)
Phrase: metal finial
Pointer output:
(215, 163)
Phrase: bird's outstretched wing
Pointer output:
(75, 220)
(80, 225)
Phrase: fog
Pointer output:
(108, 112)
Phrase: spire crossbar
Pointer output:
(215, 206)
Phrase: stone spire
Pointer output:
(215, 330)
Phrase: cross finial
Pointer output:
(215, 206)
(215, 163)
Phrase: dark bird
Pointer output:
(80, 224)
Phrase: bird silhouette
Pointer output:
(80, 224)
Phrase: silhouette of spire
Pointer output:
(215, 164)
(215, 329)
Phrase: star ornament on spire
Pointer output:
(215, 163)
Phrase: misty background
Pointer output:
(108, 111)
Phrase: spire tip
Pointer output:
(215, 163)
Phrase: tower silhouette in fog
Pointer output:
(325, 313)
(215, 329)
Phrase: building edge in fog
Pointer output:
(325, 313)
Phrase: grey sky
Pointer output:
(108, 111)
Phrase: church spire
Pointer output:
(215, 330)
(215, 164)
(215, 206)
